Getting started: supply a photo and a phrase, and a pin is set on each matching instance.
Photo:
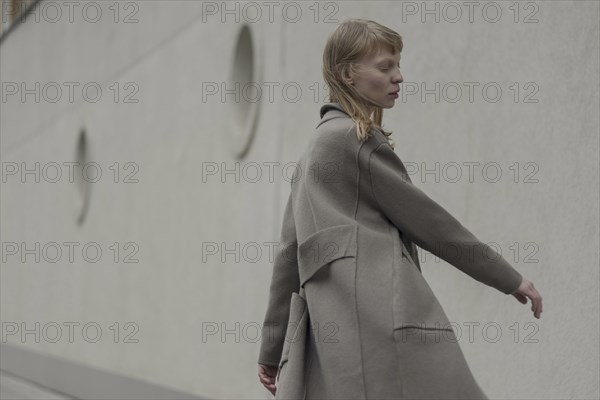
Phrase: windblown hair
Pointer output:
(352, 40)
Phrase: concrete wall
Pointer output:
(540, 133)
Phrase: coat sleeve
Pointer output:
(284, 281)
(431, 227)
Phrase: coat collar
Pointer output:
(330, 111)
(332, 106)
(333, 110)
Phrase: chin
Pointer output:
(385, 104)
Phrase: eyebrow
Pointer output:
(388, 59)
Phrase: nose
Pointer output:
(398, 78)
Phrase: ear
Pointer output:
(347, 77)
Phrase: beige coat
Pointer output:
(376, 330)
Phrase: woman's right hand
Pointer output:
(267, 375)
(527, 290)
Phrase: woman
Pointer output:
(350, 228)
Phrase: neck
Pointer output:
(369, 109)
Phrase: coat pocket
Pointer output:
(324, 247)
(415, 305)
(406, 253)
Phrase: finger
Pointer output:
(537, 306)
(539, 298)
(263, 374)
(270, 388)
(520, 297)
(267, 373)
(266, 380)
(536, 296)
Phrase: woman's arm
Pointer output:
(431, 227)
(285, 280)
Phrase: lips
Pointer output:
(396, 92)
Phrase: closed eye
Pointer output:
(388, 68)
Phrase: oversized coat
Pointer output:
(347, 265)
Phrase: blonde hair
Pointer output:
(350, 42)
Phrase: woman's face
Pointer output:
(378, 79)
